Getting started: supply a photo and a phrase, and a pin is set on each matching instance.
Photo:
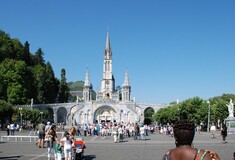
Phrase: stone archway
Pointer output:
(148, 115)
(61, 115)
(105, 114)
(50, 115)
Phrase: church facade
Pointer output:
(110, 105)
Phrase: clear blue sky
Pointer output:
(173, 49)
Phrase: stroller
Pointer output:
(79, 147)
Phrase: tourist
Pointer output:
(224, 132)
(58, 150)
(67, 140)
(184, 131)
(12, 129)
(136, 131)
(41, 135)
(213, 129)
(51, 143)
(78, 130)
(8, 129)
(48, 126)
(142, 132)
(72, 131)
(115, 134)
(85, 129)
(120, 133)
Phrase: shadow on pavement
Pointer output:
(10, 157)
(89, 157)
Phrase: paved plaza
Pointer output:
(99, 148)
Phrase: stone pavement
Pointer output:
(100, 148)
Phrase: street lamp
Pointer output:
(208, 122)
(20, 115)
(41, 115)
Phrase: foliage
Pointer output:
(24, 75)
(148, 116)
(6, 111)
(63, 88)
(76, 86)
(14, 75)
(196, 109)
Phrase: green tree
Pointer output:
(6, 111)
(51, 84)
(18, 49)
(63, 88)
(148, 116)
(39, 59)
(14, 76)
(40, 78)
(27, 55)
(6, 46)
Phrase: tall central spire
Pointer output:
(107, 47)
(107, 84)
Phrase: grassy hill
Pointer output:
(76, 86)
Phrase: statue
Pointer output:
(31, 102)
(230, 108)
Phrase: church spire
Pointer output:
(87, 88)
(126, 81)
(87, 79)
(126, 88)
(107, 47)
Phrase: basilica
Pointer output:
(110, 104)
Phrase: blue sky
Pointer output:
(173, 49)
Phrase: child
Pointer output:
(58, 150)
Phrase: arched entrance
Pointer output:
(61, 115)
(105, 114)
(148, 115)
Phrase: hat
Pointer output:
(48, 122)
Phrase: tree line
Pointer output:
(25, 76)
(197, 110)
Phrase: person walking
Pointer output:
(41, 134)
(184, 131)
(51, 143)
(115, 134)
(85, 129)
(136, 131)
(67, 140)
(213, 129)
(48, 126)
(224, 132)
(8, 129)
(142, 132)
(58, 150)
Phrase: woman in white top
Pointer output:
(67, 146)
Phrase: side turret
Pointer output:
(126, 88)
(87, 88)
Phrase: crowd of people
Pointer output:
(119, 131)
(182, 131)
(47, 138)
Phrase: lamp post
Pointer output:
(208, 122)
(20, 115)
(41, 115)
